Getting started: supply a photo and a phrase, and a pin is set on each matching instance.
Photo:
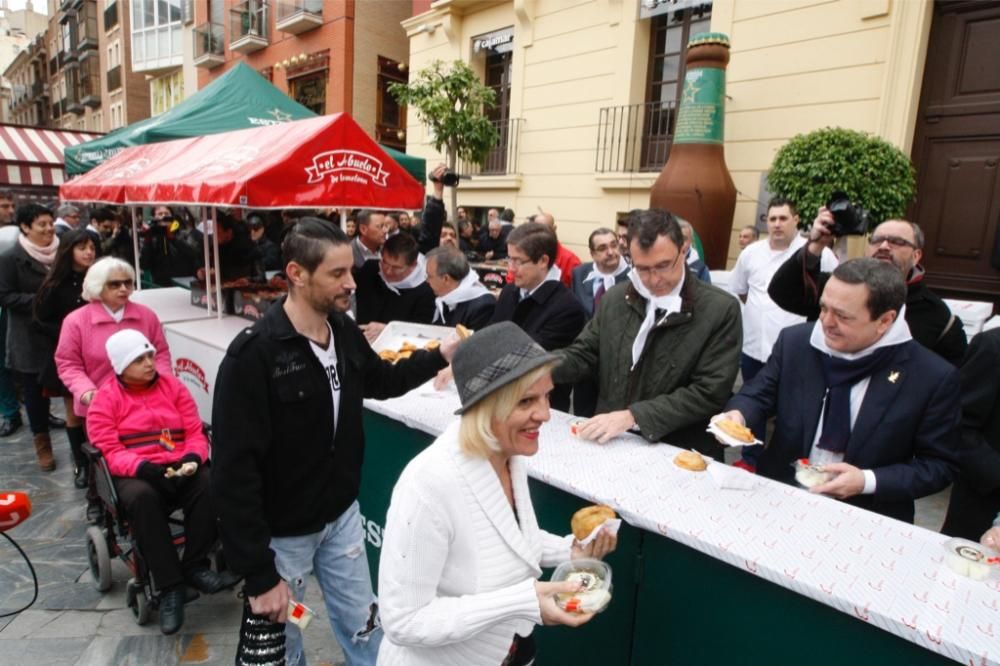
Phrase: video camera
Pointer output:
(849, 219)
(448, 178)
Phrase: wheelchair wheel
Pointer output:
(138, 602)
(99, 558)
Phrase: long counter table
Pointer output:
(768, 575)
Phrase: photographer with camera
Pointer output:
(798, 283)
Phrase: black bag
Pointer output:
(262, 642)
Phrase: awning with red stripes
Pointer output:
(33, 156)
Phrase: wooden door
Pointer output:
(956, 151)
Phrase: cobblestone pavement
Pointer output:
(73, 623)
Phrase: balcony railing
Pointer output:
(110, 17)
(115, 78)
(39, 89)
(209, 45)
(634, 138)
(296, 16)
(502, 160)
(86, 25)
(248, 26)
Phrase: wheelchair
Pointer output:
(111, 537)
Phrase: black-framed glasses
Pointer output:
(659, 269)
(115, 285)
(895, 241)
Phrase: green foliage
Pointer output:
(451, 101)
(870, 170)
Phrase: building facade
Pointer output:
(19, 34)
(588, 94)
(331, 56)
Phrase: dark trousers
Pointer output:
(36, 404)
(970, 513)
(585, 398)
(749, 367)
(9, 406)
(147, 508)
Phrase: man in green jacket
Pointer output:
(664, 346)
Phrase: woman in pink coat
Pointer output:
(148, 429)
(81, 359)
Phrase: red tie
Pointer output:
(599, 295)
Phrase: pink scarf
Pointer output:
(44, 255)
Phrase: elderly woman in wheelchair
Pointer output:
(147, 427)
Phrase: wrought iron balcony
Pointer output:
(296, 16)
(634, 138)
(502, 160)
(248, 29)
(209, 45)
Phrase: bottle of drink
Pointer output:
(695, 182)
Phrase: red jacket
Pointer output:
(159, 424)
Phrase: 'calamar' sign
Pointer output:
(337, 162)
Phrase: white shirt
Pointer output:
(328, 359)
(763, 319)
(607, 279)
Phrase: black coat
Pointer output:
(376, 302)
(906, 430)
(498, 245)
(51, 309)
(20, 278)
(929, 318)
(472, 314)
(278, 466)
(551, 316)
(167, 257)
(270, 254)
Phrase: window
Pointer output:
(117, 119)
(166, 92)
(310, 90)
(156, 34)
(390, 117)
(114, 54)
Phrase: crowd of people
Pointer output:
(855, 365)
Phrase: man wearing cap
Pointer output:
(288, 443)
(664, 347)
(267, 249)
(460, 298)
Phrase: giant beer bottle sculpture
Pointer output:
(695, 182)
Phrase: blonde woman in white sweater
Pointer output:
(462, 550)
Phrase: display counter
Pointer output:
(171, 304)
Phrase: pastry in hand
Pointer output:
(462, 332)
(735, 430)
(586, 519)
(691, 461)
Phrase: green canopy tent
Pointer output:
(239, 99)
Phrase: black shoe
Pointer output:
(209, 582)
(56, 422)
(81, 475)
(9, 426)
(95, 511)
(172, 610)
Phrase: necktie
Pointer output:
(599, 295)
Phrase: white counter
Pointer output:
(170, 304)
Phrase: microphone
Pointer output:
(15, 507)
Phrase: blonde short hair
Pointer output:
(97, 275)
(475, 433)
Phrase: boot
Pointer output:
(43, 447)
(81, 465)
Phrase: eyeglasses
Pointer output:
(895, 241)
(659, 269)
(115, 285)
(514, 262)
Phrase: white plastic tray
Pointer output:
(397, 332)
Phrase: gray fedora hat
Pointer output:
(494, 357)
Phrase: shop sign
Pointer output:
(342, 165)
(498, 41)
(651, 8)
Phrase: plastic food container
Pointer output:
(809, 476)
(595, 594)
(969, 559)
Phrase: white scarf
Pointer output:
(469, 288)
(897, 334)
(609, 280)
(671, 303)
(416, 277)
(554, 275)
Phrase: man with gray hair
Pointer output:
(691, 256)
(67, 217)
(875, 414)
(460, 298)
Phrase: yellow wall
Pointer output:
(797, 65)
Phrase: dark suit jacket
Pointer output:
(584, 291)
(498, 246)
(472, 314)
(375, 301)
(906, 431)
(551, 316)
(980, 456)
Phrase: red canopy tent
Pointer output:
(324, 162)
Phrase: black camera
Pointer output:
(849, 219)
(449, 178)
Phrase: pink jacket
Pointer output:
(159, 424)
(81, 359)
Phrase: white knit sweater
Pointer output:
(457, 572)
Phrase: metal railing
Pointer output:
(502, 159)
(209, 40)
(115, 78)
(635, 137)
(289, 8)
(248, 18)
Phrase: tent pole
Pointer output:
(204, 251)
(343, 219)
(218, 268)
(135, 250)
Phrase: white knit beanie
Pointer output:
(125, 346)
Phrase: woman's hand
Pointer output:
(442, 379)
(550, 611)
(88, 397)
(604, 543)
